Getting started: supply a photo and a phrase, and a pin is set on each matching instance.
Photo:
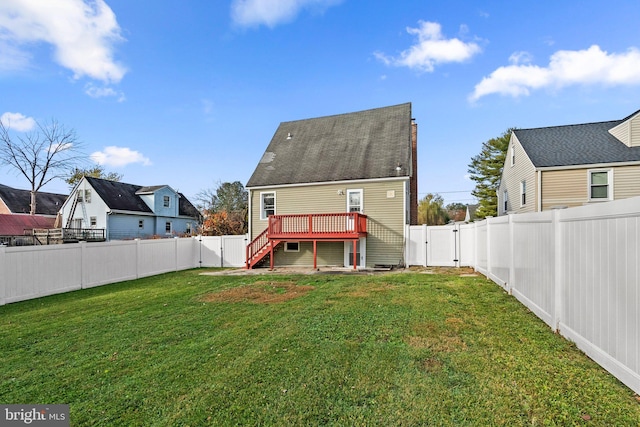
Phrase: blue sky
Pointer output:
(189, 94)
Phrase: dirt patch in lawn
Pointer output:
(262, 292)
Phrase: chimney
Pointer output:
(413, 180)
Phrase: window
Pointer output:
(354, 201)
(141, 223)
(79, 196)
(600, 184)
(513, 155)
(87, 195)
(93, 221)
(166, 201)
(267, 205)
(523, 193)
(167, 227)
(292, 247)
(188, 228)
(505, 198)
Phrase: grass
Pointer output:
(398, 349)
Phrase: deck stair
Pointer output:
(347, 226)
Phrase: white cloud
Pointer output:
(273, 12)
(431, 49)
(103, 92)
(82, 32)
(566, 67)
(17, 122)
(119, 156)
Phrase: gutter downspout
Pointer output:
(539, 190)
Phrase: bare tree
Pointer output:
(45, 153)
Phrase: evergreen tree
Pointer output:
(486, 170)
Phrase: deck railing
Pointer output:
(310, 226)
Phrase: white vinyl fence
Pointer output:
(29, 272)
(577, 269)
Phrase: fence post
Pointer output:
(83, 263)
(488, 219)
(426, 244)
(3, 277)
(558, 272)
(137, 258)
(512, 270)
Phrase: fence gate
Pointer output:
(443, 246)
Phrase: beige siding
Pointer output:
(385, 225)
(3, 208)
(564, 188)
(512, 175)
(571, 187)
(626, 182)
(628, 132)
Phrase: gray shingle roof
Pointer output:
(122, 196)
(582, 144)
(362, 145)
(19, 201)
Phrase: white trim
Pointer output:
(513, 155)
(588, 166)
(523, 192)
(356, 190)
(310, 184)
(263, 217)
(609, 185)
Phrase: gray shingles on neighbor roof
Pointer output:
(582, 144)
(19, 201)
(124, 197)
(362, 145)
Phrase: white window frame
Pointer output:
(523, 193)
(170, 224)
(513, 155)
(609, 197)
(505, 202)
(356, 190)
(166, 201)
(93, 221)
(263, 215)
(288, 248)
(141, 223)
(87, 195)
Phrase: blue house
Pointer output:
(127, 211)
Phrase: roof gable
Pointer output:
(362, 145)
(581, 144)
(126, 197)
(19, 201)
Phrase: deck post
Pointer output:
(271, 256)
(355, 255)
(315, 254)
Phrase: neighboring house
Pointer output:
(14, 201)
(127, 211)
(336, 191)
(566, 166)
(470, 213)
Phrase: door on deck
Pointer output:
(355, 203)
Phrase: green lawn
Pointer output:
(397, 349)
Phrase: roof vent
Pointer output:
(289, 136)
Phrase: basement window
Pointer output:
(292, 246)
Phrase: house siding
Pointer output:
(626, 181)
(569, 187)
(385, 225)
(566, 188)
(628, 132)
(512, 176)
